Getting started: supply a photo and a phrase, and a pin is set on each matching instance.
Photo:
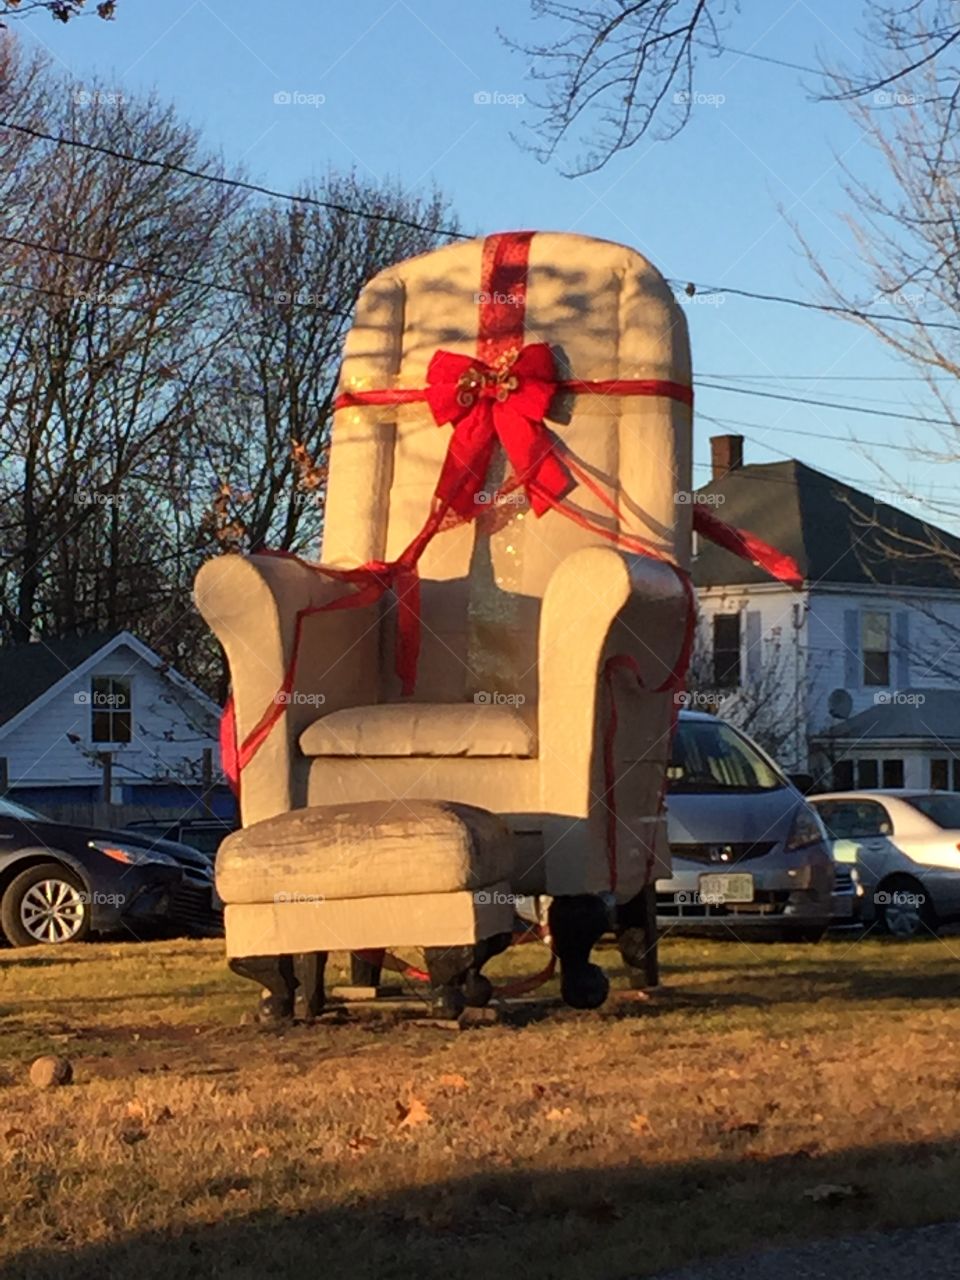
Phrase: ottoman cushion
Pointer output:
(371, 849)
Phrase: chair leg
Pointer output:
(365, 968)
(448, 968)
(637, 936)
(477, 987)
(309, 970)
(576, 923)
(276, 976)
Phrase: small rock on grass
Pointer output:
(50, 1071)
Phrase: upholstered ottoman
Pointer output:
(364, 876)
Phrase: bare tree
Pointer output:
(904, 230)
(59, 10)
(107, 327)
(614, 71)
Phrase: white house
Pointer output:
(856, 678)
(103, 717)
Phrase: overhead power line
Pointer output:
(830, 404)
(144, 269)
(827, 308)
(450, 232)
(237, 183)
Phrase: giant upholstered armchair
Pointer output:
(516, 709)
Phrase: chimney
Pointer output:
(726, 454)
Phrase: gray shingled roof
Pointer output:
(28, 670)
(835, 533)
(910, 713)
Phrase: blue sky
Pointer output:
(398, 79)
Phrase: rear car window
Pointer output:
(944, 810)
(854, 819)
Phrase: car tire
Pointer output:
(47, 903)
(905, 922)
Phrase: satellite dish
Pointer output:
(840, 704)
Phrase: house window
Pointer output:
(875, 646)
(892, 774)
(945, 774)
(726, 651)
(843, 775)
(868, 774)
(110, 708)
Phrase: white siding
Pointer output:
(933, 649)
(170, 731)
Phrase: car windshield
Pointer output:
(941, 807)
(709, 755)
(10, 810)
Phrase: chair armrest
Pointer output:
(251, 604)
(600, 602)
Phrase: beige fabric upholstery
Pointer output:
(512, 606)
(364, 851)
(356, 924)
(402, 729)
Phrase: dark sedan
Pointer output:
(62, 883)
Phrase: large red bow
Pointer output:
(486, 403)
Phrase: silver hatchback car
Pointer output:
(750, 855)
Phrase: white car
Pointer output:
(904, 850)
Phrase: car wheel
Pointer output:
(45, 903)
(904, 909)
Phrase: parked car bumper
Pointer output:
(139, 896)
(793, 892)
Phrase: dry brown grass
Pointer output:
(574, 1146)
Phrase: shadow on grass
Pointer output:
(577, 1224)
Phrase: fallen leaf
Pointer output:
(556, 1113)
(136, 1110)
(414, 1114)
(641, 1124)
(260, 1153)
(453, 1081)
(361, 1143)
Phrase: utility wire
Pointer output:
(830, 404)
(825, 307)
(236, 183)
(145, 270)
(451, 233)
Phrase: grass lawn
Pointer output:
(561, 1145)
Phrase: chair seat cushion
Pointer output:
(421, 729)
(371, 849)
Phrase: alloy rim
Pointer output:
(52, 911)
(903, 920)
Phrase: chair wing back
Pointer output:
(606, 313)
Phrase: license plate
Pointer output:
(722, 889)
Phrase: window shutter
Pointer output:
(903, 650)
(753, 657)
(851, 649)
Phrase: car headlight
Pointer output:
(131, 855)
(807, 829)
